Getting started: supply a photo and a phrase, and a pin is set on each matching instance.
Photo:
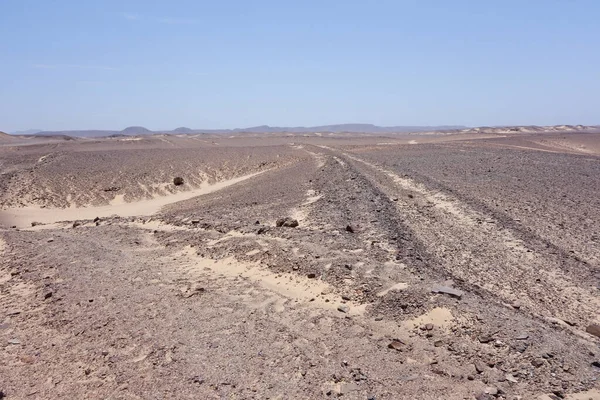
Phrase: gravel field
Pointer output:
(422, 267)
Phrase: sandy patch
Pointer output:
(301, 289)
(439, 316)
(22, 217)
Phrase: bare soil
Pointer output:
(452, 267)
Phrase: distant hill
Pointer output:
(333, 129)
(27, 132)
(136, 130)
(182, 129)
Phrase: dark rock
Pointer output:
(538, 362)
(345, 297)
(178, 181)
(96, 219)
(195, 221)
(485, 339)
(112, 189)
(311, 275)
(76, 224)
(286, 222)
(2, 395)
(596, 364)
(35, 223)
(343, 308)
(593, 329)
(516, 305)
(448, 290)
(349, 229)
(47, 295)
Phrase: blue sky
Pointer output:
(221, 64)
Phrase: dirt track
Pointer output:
(209, 299)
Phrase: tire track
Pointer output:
(477, 250)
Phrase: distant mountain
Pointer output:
(136, 130)
(333, 129)
(27, 132)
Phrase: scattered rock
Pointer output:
(14, 341)
(485, 339)
(349, 229)
(438, 343)
(2, 395)
(47, 295)
(429, 327)
(593, 329)
(491, 390)
(510, 378)
(35, 223)
(50, 240)
(178, 181)
(522, 336)
(97, 219)
(76, 224)
(193, 290)
(112, 189)
(287, 222)
(448, 290)
(195, 221)
(396, 345)
(479, 367)
(516, 305)
(347, 387)
(343, 308)
(538, 362)
(596, 364)
(311, 275)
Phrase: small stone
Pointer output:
(522, 336)
(471, 377)
(349, 229)
(429, 327)
(593, 329)
(479, 367)
(516, 305)
(76, 224)
(178, 181)
(286, 222)
(538, 362)
(195, 221)
(438, 343)
(311, 275)
(97, 219)
(511, 378)
(345, 297)
(343, 308)
(50, 240)
(485, 339)
(448, 290)
(491, 390)
(14, 341)
(396, 345)
(47, 295)
(596, 364)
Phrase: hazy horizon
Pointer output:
(78, 65)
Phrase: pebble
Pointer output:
(449, 291)
(396, 345)
(47, 295)
(538, 362)
(593, 329)
(50, 240)
(522, 336)
(479, 367)
(14, 341)
(343, 308)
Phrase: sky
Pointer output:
(83, 64)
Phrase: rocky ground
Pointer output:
(454, 269)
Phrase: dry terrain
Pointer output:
(458, 266)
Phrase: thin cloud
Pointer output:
(74, 66)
